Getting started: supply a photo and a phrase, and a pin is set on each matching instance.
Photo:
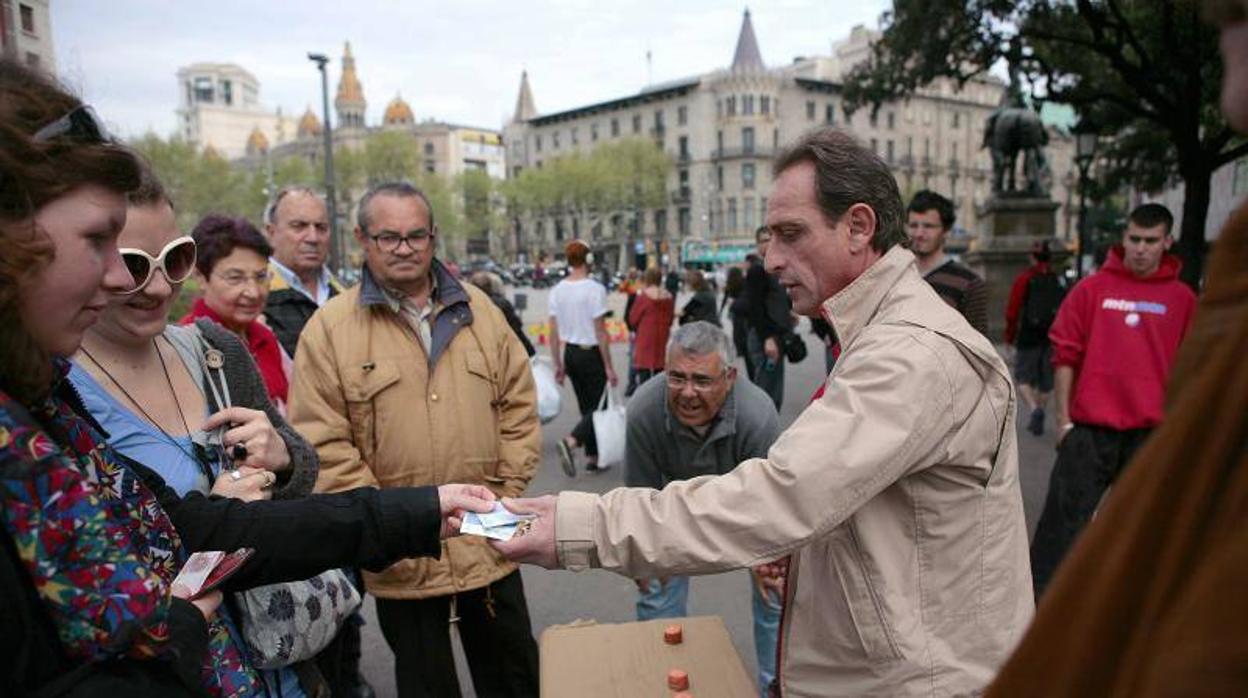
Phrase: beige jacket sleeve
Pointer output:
(519, 430)
(318, 411)
(885, 414)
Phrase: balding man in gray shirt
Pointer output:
(698, 419)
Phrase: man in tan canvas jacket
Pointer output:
(414, 378)
(896, 492)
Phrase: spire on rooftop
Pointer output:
(525, 108)
(747, 58)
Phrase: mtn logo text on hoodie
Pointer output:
(1120, 333)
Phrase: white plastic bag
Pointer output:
(609, 429)
(549, 401)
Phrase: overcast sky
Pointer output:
(456, 61)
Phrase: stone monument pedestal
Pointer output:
(1008, 228)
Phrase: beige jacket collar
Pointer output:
(852, 308)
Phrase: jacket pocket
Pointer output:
(479, 402)
(866, 605)
(360, 388)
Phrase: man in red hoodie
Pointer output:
(1114, 341)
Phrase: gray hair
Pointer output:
(270, 211)
(702, 337)
(400, 189)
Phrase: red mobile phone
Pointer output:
(225, 569)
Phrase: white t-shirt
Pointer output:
(575, 305)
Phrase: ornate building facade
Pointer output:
(722, 128)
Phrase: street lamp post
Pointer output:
(336, 249)
(1085, 153)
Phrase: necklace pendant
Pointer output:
(214, 359)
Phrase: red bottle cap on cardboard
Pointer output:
(673, 635)
(677, 680)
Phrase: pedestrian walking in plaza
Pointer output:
(701, 420)
(896, 492)
(734, 299)
(1035, 297)
(702, 307)
(581, 350)
(1114, 341)
(413, 378)
(769, 319)
(652, 313)
(296, 222)
(929, 219)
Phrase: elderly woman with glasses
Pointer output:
(232, 267)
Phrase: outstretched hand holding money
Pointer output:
(536, 545)
(457, 500)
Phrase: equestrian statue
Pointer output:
(1013, 128)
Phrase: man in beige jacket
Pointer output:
(414, 378)
(896, 492)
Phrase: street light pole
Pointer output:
(336, 249)
(1085, 153)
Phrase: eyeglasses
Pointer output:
(417, 241)
(82, 124)
(701, 384)
(238, 278)
(176, 261)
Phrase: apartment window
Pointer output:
(747, 175)
(636, 123)
(684, 147)
(829, 113)
(719, 142)
(28, 19)
(615, 128)
(749, 212)
(732, 214)
(719, 177)
(874, 119)
(909, 146)
(32, 60)
(660, 222)
(554, 140)
(764, 104)
(747, 106)
(658, 120)
(575, 135)
(732, 106)
(593, 131)
(683, 177)
(889, 150)
(956, 120)
(429, 167)
(892, 121)
(682, 220)
(428, 148)
(810, 111)
(227, 92)
(875, 146)
(682, 116)
(537, 143)
(747, 140)
(775, 139)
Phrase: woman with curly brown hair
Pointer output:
(91, 541)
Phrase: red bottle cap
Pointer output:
(677, 680)
(673, 635)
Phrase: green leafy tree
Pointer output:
(391, 156)
(1145, 74)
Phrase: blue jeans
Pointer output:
(672, 599)
(768, 374)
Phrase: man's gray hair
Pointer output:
(400, 189)
(270, 211)
(702, 337)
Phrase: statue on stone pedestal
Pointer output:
(1013, 128)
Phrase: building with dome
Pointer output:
(722, 128)
(219, 107)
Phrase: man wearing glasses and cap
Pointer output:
(700, 420)
(412, 377)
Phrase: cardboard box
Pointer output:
(631, 660)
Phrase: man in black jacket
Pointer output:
(768, 318)
(297, 225)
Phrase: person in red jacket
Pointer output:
(651, 316)
(1114, 341)
(1034, 300)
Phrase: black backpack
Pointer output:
(1044, 296)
